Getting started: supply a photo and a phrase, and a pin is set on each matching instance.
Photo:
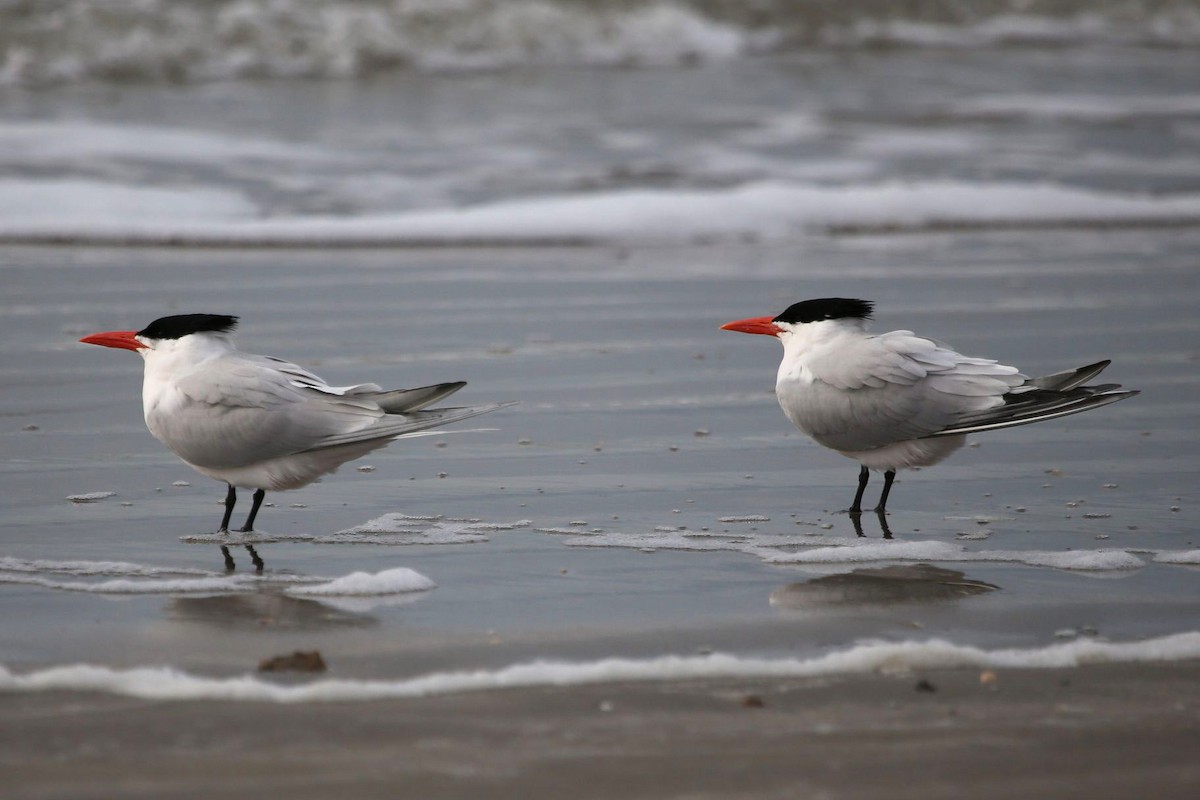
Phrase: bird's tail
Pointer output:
(405, 401)
(395, 426)
(1038, 399)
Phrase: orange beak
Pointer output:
(123, 340)
(761, 325)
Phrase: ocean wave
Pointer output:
(176, 41)
(165, 41)
(164, 683)
(761, 210)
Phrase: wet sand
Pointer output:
(1111, 731)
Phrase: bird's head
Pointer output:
(799, 316)
(165, 332)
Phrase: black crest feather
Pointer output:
(182, 325)
(826, 308)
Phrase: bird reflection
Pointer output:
(231, 565)
(880, 586)
(856, 521)
(265, 609)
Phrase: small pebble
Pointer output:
(299, 661)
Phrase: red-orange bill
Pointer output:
(761, 325)
(124, 340)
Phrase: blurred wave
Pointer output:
(48, 42)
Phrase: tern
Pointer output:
(897, 400)
(260, 422)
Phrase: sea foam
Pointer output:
(398, 580)
(164, 683)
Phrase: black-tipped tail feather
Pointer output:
(395, 426)
(405, 401)
(1038, 399)
(1062, 381)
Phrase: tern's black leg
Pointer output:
(230, 502)
(229, 565)
(888, 477)
(864, 475)
(258, 498)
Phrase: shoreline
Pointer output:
(1113, 730)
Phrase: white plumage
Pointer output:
(898, 400)
(260, 422)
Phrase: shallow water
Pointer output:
(592, 520)
(1029, 202)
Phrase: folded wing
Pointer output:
(244, 410)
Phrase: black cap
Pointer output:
(826, 308)
(181, 325)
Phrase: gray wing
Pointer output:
(242, 411)
(395, 401)
(894, 387)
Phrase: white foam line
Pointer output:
(825, 551)
(1085, 560)
(127, 586)
(165, 683)
(126, 568)
(1178, 557)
